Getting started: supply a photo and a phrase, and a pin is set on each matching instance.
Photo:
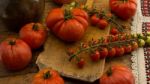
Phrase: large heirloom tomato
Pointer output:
(68, 25)
(125, 9)
(62, 1)
(47, 76)
(118, 74)
(34, 34)
(15, 53)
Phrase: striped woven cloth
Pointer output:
(141, 57)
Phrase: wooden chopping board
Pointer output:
(55, 56)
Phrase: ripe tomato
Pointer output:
(123, 37)
(119, 51)
(134, 45)
(47, 76)
(95, 56)
(111, 52)
(94, 20)
(103, 52)
(81, 63)
(102, 24)
(34, 34)
(109, 15)
(116, 37)
(127, 48)
(114, 31)
(125, 9)
(111, 38)
(15, 53)
(117, 74)
(68, 25)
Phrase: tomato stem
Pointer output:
(116, 43)
(67, 14)
(47, 75)
(109, 72)
(124, 1)
(12, 42)
(35, 27)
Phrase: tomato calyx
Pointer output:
(35, 27)
(47, 75)
(124, 1)
(67, 14)
(12, 42)
(109, 72)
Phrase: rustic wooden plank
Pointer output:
(54, 55)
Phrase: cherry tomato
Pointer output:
(114, 31)
(103, 52)
(134, 45)
(94, 20)
(102, 24)
(111, 52)
(127, 48)
(109, 15)
(95, 56)
(119, 51)
(111, 38)
(81, 63)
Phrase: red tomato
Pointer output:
(95, 56)
(125, 9)
(111, 38)
(103, 52)
(117, 74)
(114, 31)
(81, 63)
(116, 37)
(94, 20)
(102, 24)
(134, 45)
(119, 51)
(123, 37)
(111, 52)
(109, 15)
(34, 34)
(67, 26)
(127, 48)
(15, 53)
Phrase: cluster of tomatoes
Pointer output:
(16, 53)
(111, 46)
(100, 21)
